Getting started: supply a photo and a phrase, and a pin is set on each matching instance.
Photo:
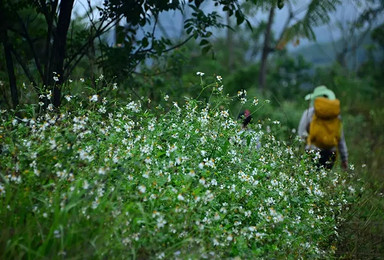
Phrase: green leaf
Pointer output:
(280, 4)
(189, 30)
(204, 42)
(144, 42)
(206, 49)
(239, 17)
(120, 34)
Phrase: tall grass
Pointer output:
(102, 179)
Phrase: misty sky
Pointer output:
(347, 11)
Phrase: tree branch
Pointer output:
(170, 49)
(83, 48)
(48, 49)
(286, 24)
(25, 69)
(31, 46)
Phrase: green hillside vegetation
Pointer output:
(114, 179)
(325, 54)
(136, 149)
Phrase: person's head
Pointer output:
(246, 117)
(320, 91)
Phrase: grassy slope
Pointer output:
(362, 236)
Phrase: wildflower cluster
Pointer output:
(188, 182)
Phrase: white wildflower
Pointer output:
(94, 98)
(101, 171)
(192, 173)
(180, 197)
(68, 97)
(161, 222)
(102, 109)
(142, 188)
(224, 113)
(56, 234)
(2, 190)
(200, 73)
(201, 165)
(242, 93)
(85, 185)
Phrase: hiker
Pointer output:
(320, 126)
(246, 119)
(246, 116)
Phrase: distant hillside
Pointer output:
(317, 53)
(322, 54)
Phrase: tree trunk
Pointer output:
(26, 70)
(59, 48)
(341, 58)
(229, 44)
(8, 55)
(266, 50)
(10, 68)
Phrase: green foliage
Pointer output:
(123, 220)
(39, 35)
(362, 116)
(378, 35)
(317, 14)
(102, 179)
(132, 50)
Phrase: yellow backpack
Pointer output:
(325, 127)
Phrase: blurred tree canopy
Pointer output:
(44, 28)
(44, 43)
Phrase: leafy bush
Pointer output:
(113, 180)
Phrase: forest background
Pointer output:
(275, 50)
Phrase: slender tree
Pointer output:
(10, 67)
(53, 56)
(296, 26)
(354, 32)
(8, 54)
(266, 48)
(59, 49)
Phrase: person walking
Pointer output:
(246, 118)
(321, 129)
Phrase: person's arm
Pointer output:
(304, 123)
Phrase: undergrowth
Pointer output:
(103, 179)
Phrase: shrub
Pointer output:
(120, 181)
